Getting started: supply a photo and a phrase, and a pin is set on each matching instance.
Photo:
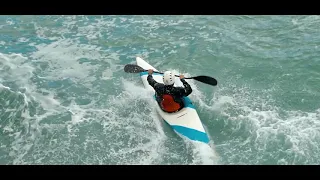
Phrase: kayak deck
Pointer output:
(186, 121)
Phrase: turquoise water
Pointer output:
(65, 99)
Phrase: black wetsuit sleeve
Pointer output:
(151, 81)
(187, 90)
(158, 87)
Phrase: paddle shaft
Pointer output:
(174, 75)
(131, 68)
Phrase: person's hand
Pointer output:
(150, 71)
(181, 76)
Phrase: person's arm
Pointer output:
(150, 79)
(187, 90)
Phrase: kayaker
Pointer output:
(170, 98)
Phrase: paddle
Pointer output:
(132, 68)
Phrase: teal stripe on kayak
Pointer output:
(192, 133)
(146, 73)
(188, 103)
(188, 132)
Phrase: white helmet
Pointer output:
(168, 78)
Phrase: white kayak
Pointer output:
(185, 122)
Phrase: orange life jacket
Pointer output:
(168, 104)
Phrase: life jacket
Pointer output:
(168, 104)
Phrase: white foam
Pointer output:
(20, 72)
(17, 68)
(135, 144)
(203, 154)
(10, 21)
(107, 74)
(22, 39)
(266, 125)
(45, 32)
(172, 52)
(183, 44)
(4, 87)
(63, 56)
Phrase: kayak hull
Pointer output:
(185, 122)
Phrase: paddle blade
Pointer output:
(132, 68)
(206, 79)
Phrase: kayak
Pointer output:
(185, 122)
